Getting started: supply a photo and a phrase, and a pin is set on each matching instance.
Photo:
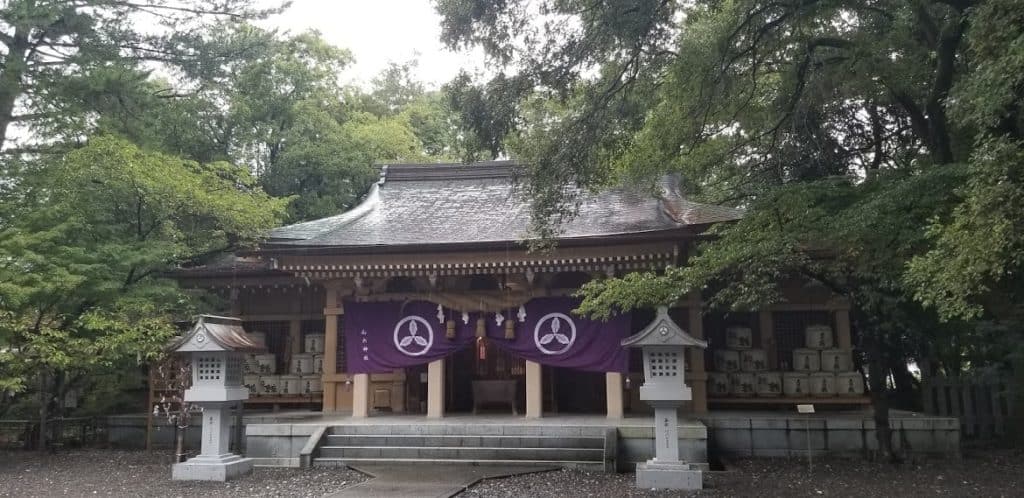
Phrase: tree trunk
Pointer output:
(879, 398)
(14, 66)
(44, 406)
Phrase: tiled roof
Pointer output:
(428, 204)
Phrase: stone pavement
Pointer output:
(425, 481)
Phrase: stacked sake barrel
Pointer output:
(307, 368)
(820, 369)
(261, 370)
(742, 370)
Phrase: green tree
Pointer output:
(867, 142)
(60, 59)
(86, 240)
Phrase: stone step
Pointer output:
(467, 430)
(461, 441)
(356, 462)
(464, 453)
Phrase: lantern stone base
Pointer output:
(674, 475)
(211, 468)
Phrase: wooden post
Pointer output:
(843, 337)
(332, 312)
(534, 390)
(766, 325)
(698, 374)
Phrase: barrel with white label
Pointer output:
(270, 385)
(718, 384)
(795, 384)
(850, 384)
(836, 360)
(753, 360)
(318, 364)
(314, 343)
(252, 383)
(302, 364)
(251, 365)
(742, 384)
(291, 385)
(819, 337)
(739, 338)
(806, 360)
(727, 360)
(312, 384)
(823, 384)
(267, 363)
(769, 384)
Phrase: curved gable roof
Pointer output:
(445, 204)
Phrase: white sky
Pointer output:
(378, 32)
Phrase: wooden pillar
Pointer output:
(294, 341)
(332, 313)
(843, 337)
(435, 389)
(613, 393)
(698, 374)
(360, 395)
(534, 390)
(766, 325)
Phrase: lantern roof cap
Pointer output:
(216, 333)
(663, 331)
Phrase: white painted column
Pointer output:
(360, 395)
(613, 394)
(435, 389)
(534, 390)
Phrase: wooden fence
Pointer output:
(983, 405)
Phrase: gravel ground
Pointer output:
(998, 473)
(142, 474)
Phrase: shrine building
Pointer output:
(426, 299)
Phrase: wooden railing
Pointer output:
(984, 405)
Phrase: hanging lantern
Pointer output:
(481, 326)
(449, 331)
(510, 329)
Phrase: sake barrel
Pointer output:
(290, 385)
(794, 384)
(823, 384)
(806, 360)
(312, 384)
(270, 385)
(753, 360)
(318, 364)
(251, 365)
(742, 384)
(718, 384)
(302, 364)
(819, 337)
(738, 337)
(267, 363)
(252, 382)
(849, 384)
(836, 360)
(314, 343)
(727, 360)
(259, 338)
(768, 384)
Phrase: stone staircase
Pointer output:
(469, 444)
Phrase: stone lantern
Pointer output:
(216, 348)
(663, 343)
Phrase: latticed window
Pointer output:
(209, 368)
(233, 376)
(790, 332)
(665, 363)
